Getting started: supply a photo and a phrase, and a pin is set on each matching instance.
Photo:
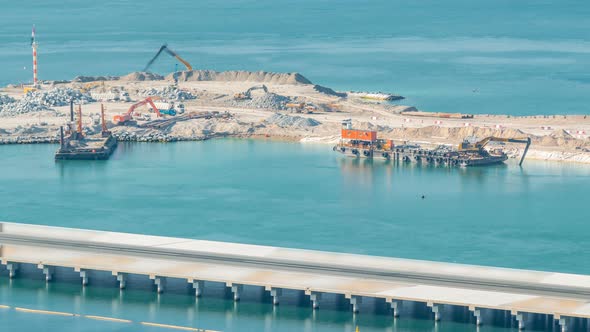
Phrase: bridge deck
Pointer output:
(551, 293)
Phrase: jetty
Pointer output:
(478, 294)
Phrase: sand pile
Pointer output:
(141, 76)
(287, 121)
(329, 91)
(238, 76)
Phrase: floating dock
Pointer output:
(444, 291)
(365, 144)
(73, 145)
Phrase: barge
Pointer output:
(75, 146)
(365, 144)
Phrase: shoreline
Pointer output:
(290, 109)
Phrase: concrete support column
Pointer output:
(435, 310)
(274, 293)
(199, 286)
(519, 319)
(84, 276)
(47, 271)
(236, 290)
(315, 299)
(12, 267)
(477, 314)
(122, 279)
(562, 321)
(160, 283)
(395, 307)
(355, 301)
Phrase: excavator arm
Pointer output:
(164, 48)
(524, 140)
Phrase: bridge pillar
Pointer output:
(355, 301)
(236, 290)
(435, 310)
(47, 271)
(199, 286)
(122, 279)
(395, 306)
(315, 298)
(12, 267)
(274, 293)
(562, 321)
(477, 314)
(520, 319)
(160, 283)
(83, 274)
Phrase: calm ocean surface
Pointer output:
(499, 57)
(292, 195)
(509, 57)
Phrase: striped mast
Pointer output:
(34, 46)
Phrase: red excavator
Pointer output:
(123, 118)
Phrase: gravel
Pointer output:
(168, 93)
(43, 100)
(284, 121)
(266, 101)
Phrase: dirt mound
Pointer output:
(329, 91)
(238, 76)
(141, 76)
(85, 79)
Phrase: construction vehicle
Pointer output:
(479, 146)
(302, 107)
(248, 93)
(165, 48)
(127, 116)
(27, 89)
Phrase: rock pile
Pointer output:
(168, 93)
(4, 99)
(285, 121)
(267, 101)
(36, 101)
(144, 137)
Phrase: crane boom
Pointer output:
(164, 48)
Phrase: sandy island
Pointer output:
(282, 112)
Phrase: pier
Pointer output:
(402, 287)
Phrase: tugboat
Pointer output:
(75, 146)
(365, 144)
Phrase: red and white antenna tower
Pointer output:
(34, 46)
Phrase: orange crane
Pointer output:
(127, 116)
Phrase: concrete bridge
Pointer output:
(478, 294)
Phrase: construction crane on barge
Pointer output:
(164, 48)
(479, 145)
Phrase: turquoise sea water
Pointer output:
(500, 57)
(292, 195)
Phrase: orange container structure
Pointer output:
(359, 135)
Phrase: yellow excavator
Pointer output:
(165, 48)
(479, 145)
